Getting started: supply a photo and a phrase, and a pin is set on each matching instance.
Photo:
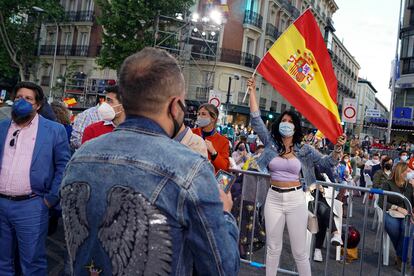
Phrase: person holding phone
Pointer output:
(285, 157)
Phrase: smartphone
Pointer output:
(225, 180)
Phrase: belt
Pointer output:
(274, 188)
(17, 198)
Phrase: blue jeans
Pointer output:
(395, 229)
(23, 226)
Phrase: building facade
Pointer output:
(251, 28)
(365, 100)
(79, 38)
(404, 90)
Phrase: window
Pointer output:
(67, 38)
(262, 103)
(249, 45)
(252, 5)
(240, 97)
(408, 46)
(62, 70)
(273, 106)
(283, 108)
(52, 38)
(84, 38)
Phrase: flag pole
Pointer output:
(255, 69)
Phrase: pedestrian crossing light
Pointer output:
(270, 116)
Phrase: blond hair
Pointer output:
(397, 172)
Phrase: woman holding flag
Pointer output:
(286, 159)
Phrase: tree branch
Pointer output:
(5, 38)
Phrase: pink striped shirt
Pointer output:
(17, 159)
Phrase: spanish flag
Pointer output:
(299, 67)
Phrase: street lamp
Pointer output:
(40, 10)
(236, 77)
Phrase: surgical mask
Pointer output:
(22, 108)
(241, 149)
(286, 129)
(388, 173)
(375, 161)
(409, 176)
(346, 160)
(388, 166)
(106, 112)
(203, 122)
(404, 158)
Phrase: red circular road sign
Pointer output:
(215, 101)
(349, 112)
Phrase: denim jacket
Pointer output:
(176, 180)
(307, 155)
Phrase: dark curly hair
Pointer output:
(297, 136)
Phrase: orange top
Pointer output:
(221, 145)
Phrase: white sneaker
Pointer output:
(336, 240)
(317, 255)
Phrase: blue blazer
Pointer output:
(50, 155)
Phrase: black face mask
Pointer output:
(177, 126)
(388, 166)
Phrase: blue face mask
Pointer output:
(286, 129)
(22, 108)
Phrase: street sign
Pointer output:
(370, 112)
(403, 113)
(349, 110)
(214, 98)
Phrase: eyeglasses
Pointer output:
(13, 141)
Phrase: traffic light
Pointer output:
(270, 116)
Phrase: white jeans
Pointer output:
(290, 208)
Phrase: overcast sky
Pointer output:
(368, 29)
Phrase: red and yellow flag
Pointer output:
(299, 67)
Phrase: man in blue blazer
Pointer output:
(33, 155)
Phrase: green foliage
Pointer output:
(19, 26)
(129, 26)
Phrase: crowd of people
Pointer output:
(137, 188)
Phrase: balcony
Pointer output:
(79, 16)
(272, 31)
(407, 65)
(75, 16)
(253, 18)
(66, 50)
(227, 55)
(238, 57)
(287, 5)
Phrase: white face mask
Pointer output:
(404, 158)
(286, 129)
(388, 173)
(203, 122)
(106, 112)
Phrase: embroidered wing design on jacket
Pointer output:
(74, 198)
(135, 235)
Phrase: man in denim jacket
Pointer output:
(137, 202)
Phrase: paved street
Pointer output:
(56, 254)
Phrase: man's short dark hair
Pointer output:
(39, 95)
(115, 90)
(147, 79)
(402, 152)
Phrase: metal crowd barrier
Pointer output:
(255, 186)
